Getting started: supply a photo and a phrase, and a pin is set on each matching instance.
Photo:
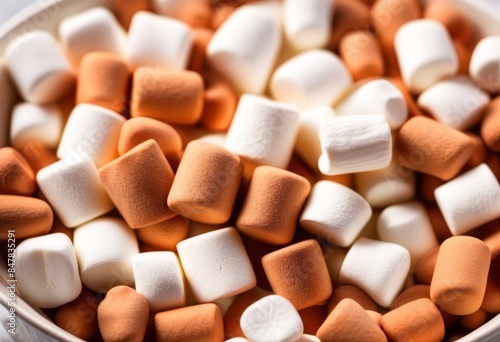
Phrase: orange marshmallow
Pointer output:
(376, 316)
(193, 323)
(59, 227)
(361, 53)
(459, 26)
(479, 152)
(413, 108)
(165, 234)
(219, 104)
(16, 175)
(171, 96)
(125, 10)
(410, 294)
(196, 14)
(37, 155)
(299, 273)
(474, 320)
(348, 15)
(300, 168)
(312, 318)
(27, 216)
(438, 222)
(491, 301)
(425, 267)
(201, 38)
(490, 127)
(427, 186)
(354, 293)
(79, 317)
(464, 54)
(103, 80)
(493, 162)
(138, 183)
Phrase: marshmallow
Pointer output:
(245, 47)
(335, 213)
(469, 200)
(35, 122)
(271, 318)
(201, 38)
(425, 54)
(39, 67)
(169, 47)
(457, 21)
(166, 8)
(352, 292)
(219, 104)
(354, 143)
(362, 55)
(27, 216)
(158, 277)
(348, 16)
(307, 23)
(16, 175)
(313, 78)
(408, 225)
(70, 318)
(38, 155)
(91, 131)
(378, 97)
(40, 259)
(9, 98)
(490, 126)
(456, 102)
(378, 268)
(104, 248)
(95, 29)
(219, 253)
(483, 66)
(166, 234)
(263, 131)
(74, 190)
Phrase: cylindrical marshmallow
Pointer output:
(378, 268)
(378, 97)
(456, 102)
(91, 131)
(38, 155)
(469, 200)
(25, 216)
(271, 318)
(348, 16)
(104, 249)
(75, 191)
(245, 47)
(79, 317)
(40, 259)
(95, 29)
(353, 292)
(16, 175)
(168, 47)
(220, 253)
(219, 103)
(483, 66)
(458, 22)
(410, 294)
(354, 143)
(408, 225)
(39, 67)
(327, 215)
(263, 131)
(425, 54)
(313, 78)
(490, 127)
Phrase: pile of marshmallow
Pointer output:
(249, 170)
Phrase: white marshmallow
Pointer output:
(47, 271)
(378, 97)
(307, 144)
(35, 122)
(245, 47)
(237, 339)
(313, 78)
(104, 248)
(483, 66)
(74, 190)
(95, 29)
(158, 277)
(308, 338)
(307, 24)
(408, 225)
(39, 68)
(378, 268)
(263, 130)
(354, 143)
(335, 213)
(456, 102)
(91, 131)
(158, 41)
(391, 185)
(216, 265)
(469, 200)
(272, 318)
(425, 53)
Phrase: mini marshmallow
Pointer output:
(378, 268)
(27, 215)
(39, 67)
(408, 225)
(166, 8)
(483, 66)
(47, 271)
(35, 122)
(313, 78)
(158, 277)
(245, 47)
(216, 265)
(354, 143)
(425, 54)
(307, 23)
(335, 213)
(360, 50)
(263, 131)
(272, 318)
(91, 131)
(75, 191)
(469, 200)
(456, 102)
(379, 97)
(95, 29)
(168, 47)
(16, 175)
(104, 248)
